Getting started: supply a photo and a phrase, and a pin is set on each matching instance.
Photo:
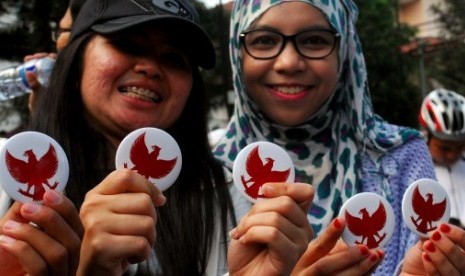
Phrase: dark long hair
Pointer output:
(186, 224)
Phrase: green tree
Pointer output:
(395, 97)
(447, 64)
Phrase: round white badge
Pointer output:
(425, 205)
(259, 163)
(153, 153)
(369, 218)
(32, 163)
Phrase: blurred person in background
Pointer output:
(60, 35)
(442, 116)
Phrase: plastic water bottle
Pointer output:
(13, 82)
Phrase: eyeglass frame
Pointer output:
(287, 38)
(56, 32)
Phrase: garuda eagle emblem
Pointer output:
(147, 163)
(368, 226)
(33, 172)
(427, 211)
(260, 173)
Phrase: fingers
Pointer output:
(321, 245)
(14, 213)
(275, 229)
(28, 261)
(65, 208)
(328, 255)
(35, 56)
(8, 263)
(99, 252)
(33, 81)
(281, 212)
(54, 244)
(128, 181)
(444, 251)
(123, 214)
(301, 193)
(355, 260)
(35, 251)
(39, 55)
(119, 218)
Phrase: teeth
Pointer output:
(141, 93)
(290, 89)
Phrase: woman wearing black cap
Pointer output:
(133, 64)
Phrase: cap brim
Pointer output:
(201, 44)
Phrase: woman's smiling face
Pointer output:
(134, 80)
(290, 88)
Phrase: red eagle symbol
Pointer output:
(260, 174)
(368, 227)
(33, 172)
(427, 211)
(147, 163)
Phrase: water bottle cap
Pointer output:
(22, 74)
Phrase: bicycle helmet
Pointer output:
(442, 113)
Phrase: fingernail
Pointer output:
(380, 253)
(11, 225)
(52, 197)
(160, 200)
(268, 190)
(374, 257)
(436, 236)
(444, 228)
(427, 258)
(233, 233)
(363, 250)
(337, 224)
(430, 247)
(6, 239)
(30, 208)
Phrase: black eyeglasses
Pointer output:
(267, 44)
(58, 31)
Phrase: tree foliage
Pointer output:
(446, 64)
(391, 74)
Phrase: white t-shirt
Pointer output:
(452, 178)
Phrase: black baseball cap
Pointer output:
(112, 16)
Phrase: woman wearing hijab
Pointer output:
(301, 83)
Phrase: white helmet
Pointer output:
(442, 113)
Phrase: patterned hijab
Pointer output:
(326, 150)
